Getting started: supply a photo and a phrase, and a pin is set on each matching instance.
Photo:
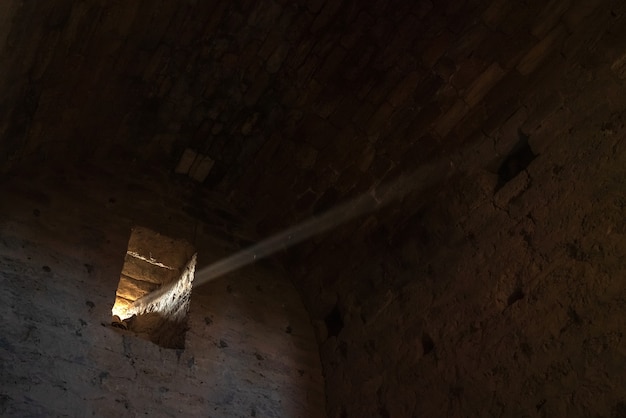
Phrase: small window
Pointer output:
(153, 295)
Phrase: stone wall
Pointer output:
(297, 103)
(249, 347)
(491, 289)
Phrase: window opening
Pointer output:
(154, 291)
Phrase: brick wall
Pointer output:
(304, 104)
(294, 102)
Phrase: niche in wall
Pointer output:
(154, 292)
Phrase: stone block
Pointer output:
(315, 131)
(131, 289)
(380, 119)
(426, 89)
(305, 156)
(325, 16)
(314, 6)
(545, 105)
(344, 111)
(435, 48)
(424, 119)
(383, 83)
(272, 41)
(505, 49)
(541, 50)
(511, 190)
(331, 64)
(257, 89)
(580, 11)
(186, 161)
(157, 249)
(508, 135)
(619, 67)
(355, 30)
(466, 43)
(549, 17)
(471, 124)
(404, 89)
(467, 72)
(306, 201)
(364, 161)
(357, 61)
(201, 168)
(448, 121)
(275, 60)
(483, 84)
(265, 14)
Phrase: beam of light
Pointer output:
(375, 199)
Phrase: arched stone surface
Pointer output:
(250, 348)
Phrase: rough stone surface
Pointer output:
(249, 349)
(491, 290)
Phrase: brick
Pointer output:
(436, 47)
(508, 135)
(385, 82)
(255, 90)
(308, 68)
(403, 36)
(314, 6)
(496, 13)
(446, 97)
(516, 21)
(305, 201)
(469, 41)
(332, 63)
(363, 114)
(341, 151)
(355, 30)
(445, 67)
(299, 53)
(345, 110)
(549, 17)
(325, 16)
(131, 289)
(276, 59)
(357, 59)
(186, 161)
(380, 166)
(348, 179)
(472, 123)
(426, 89)
(543, 48)
(506, 50)
(405, 89)
(448, 121)
(380, 119)
(468, 71)
(201, 168)
(327, 102)
(364, 161)
(315, 131)
(619, 67)
(273, 40)
(580, 11)
(424, 119)
(421, 8)
(483, 84)
(540, 107)
(305, 156)
(265, 14)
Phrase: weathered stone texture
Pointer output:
(292, 107)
